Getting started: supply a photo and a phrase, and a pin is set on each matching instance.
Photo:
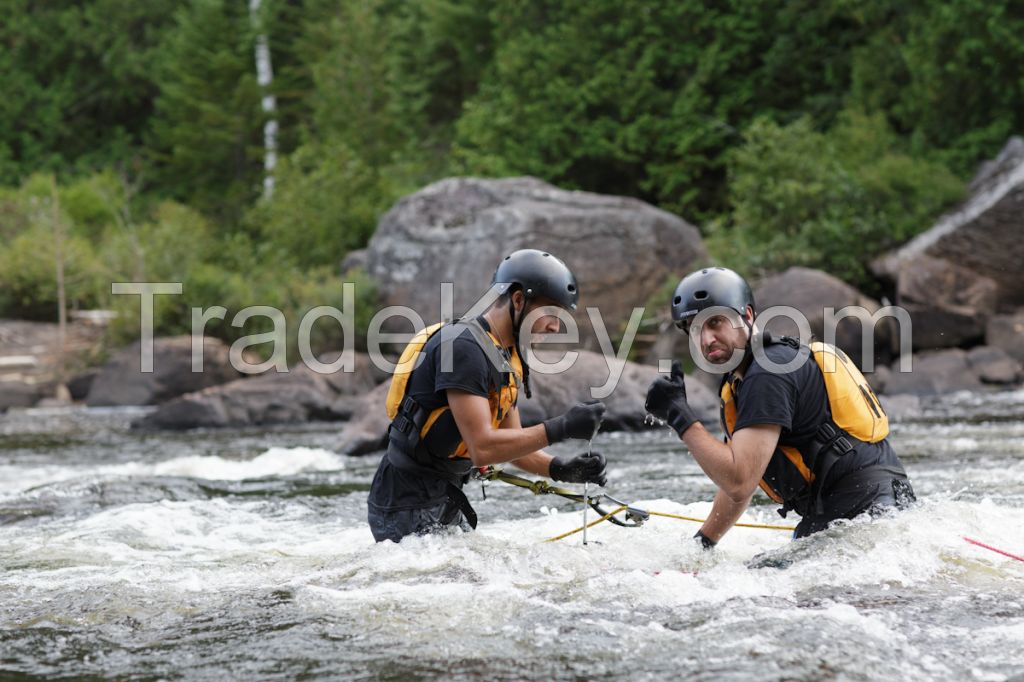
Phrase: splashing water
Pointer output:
(247, 554)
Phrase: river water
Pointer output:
(245, 554)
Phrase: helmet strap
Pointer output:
(516, 324)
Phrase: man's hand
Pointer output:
(585, 468)
(581, 421)
(666, 400)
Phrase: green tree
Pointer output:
(327, 203)
(826, 200)
(948, 75)
(77, 81)
(206, 131)
(646, 98)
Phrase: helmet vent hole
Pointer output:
(677, 300)
(700, 295)
(572, 288)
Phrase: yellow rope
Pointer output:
(671, 516)
(592, 523)
(740, 525)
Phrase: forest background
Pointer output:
(799, 132)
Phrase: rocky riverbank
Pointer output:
(960, 284)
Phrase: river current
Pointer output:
(246, 555)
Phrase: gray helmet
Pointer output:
(709, 288)
(539, 275)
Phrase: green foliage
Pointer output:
(206, 130)
(947, 75)
(814, 132)
(77, 85)
(645, 98)
(826, 200)
(28, 257)
(326, 203)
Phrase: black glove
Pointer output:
(585, 468)
(704, 541)
(666, 400)
(581, 421)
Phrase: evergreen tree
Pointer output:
(207, 129)
(78, 85)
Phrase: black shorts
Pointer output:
(396, 524)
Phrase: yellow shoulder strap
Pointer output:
(406, 364)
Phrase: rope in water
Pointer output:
(667, 515)
(991, 548)
(541, 487)
(589, 525)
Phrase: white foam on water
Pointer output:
(504, 587)
(276, 461)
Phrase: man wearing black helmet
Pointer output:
(452, 402)
(800, 421)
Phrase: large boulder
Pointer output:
(622, 250)
(968, 263)
(993, 365)
(122, 382)
(935, 373)
(19, 394)
(367, 430)
(810, 292)
(553, 394)
(292, 397)
(1007, 332)
(269, 399)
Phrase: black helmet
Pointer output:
(709, 288)
(540, 275)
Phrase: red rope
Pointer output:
(994, 549)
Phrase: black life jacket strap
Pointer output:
(453, 481)
(830, 444)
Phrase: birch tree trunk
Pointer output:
(265, 77)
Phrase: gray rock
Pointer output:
(902, 406)
(879, 379)
(80, 384)
(294, 397)
(267, 399)
(933, 373)
(553, 394)
(366, 431)
(121, 381)
(457, 230)
(19, 394)
(935, 328)
(993, 365)
(811, 292)
(980, 238)
(1007, 332)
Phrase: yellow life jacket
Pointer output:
(400, 408)
(853, 405)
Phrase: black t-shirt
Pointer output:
(471, 371)
(798, 402)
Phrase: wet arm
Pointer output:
(538, 462)
(725, 512)
(735, 467)
(488, 445)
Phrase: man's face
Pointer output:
(720, 335)
(545, 318)
(542, 312)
